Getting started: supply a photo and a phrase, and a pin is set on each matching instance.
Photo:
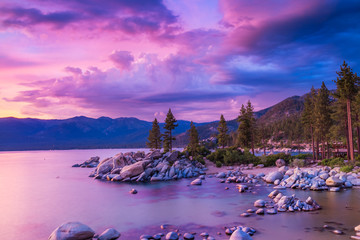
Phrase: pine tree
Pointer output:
(194, 139)
(154, 139)
(307, 117)
(170, 124)
(223, 136)
(347, 87)
(322, 116)
(247, 125)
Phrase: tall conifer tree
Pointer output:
(223, 136)
(347, 87)
(170, 124)
(154, 139)
(194, 139)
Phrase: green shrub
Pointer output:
(200, 159)
(332, 162)
(303, 156)
(203, 151)
(298, 162)
(346, 168)
(232, 156)
(218, 164)
(271, 159)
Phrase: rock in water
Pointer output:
(172, 236)
(132, 170)
(357, 228)
(73, 231)
(240, 235)
(259, 203)
(133, 191)
(271, 177)
(188, 236)
(109, 234)
(196, 182)
(334, 182)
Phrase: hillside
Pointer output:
(290, 107)
(77, 132)
(83, 132)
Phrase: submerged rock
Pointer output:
(196, 182)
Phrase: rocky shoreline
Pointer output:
(156, 166)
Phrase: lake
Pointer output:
(40, 190)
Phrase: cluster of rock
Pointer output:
(282, 203)
(357, 233)
(154, 166)
(91, 163)
(315, 179)
(79, 231)
(236, 176)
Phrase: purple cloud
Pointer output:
(122, 59)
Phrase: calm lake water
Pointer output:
(39, 191)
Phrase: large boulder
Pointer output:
(355, 182)
(72, 231)
(105, 166)
(239, 234)
(271, 177)
(280, 163)
(133, 169)
(109, 234)
(120, 160)
(173, 156)
(153, 155)
(334, 182)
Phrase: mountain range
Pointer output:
(83, 132)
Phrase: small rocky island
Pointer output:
(154, 166)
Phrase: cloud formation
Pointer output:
(139, 57)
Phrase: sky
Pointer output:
(138, 58)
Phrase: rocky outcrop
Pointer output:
(316, 179)
(91, 163)
(73, 231)
(153, 166)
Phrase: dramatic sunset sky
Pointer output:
(122, 58)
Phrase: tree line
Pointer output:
(328, 118)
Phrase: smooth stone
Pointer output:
(334, 189)
(133, 191)
(172, 236)
(197, 181)
(280, 162)
(271, 211)
(204, 234)
(271, 177)
(355, 237)
(357, 228)
(188, 236)
(338, 232)
(334, 182)
(238, 234)
(245, 214)
(109, 234)
(73, 231)
(260, 211)
(259, 203)
(228, 231)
